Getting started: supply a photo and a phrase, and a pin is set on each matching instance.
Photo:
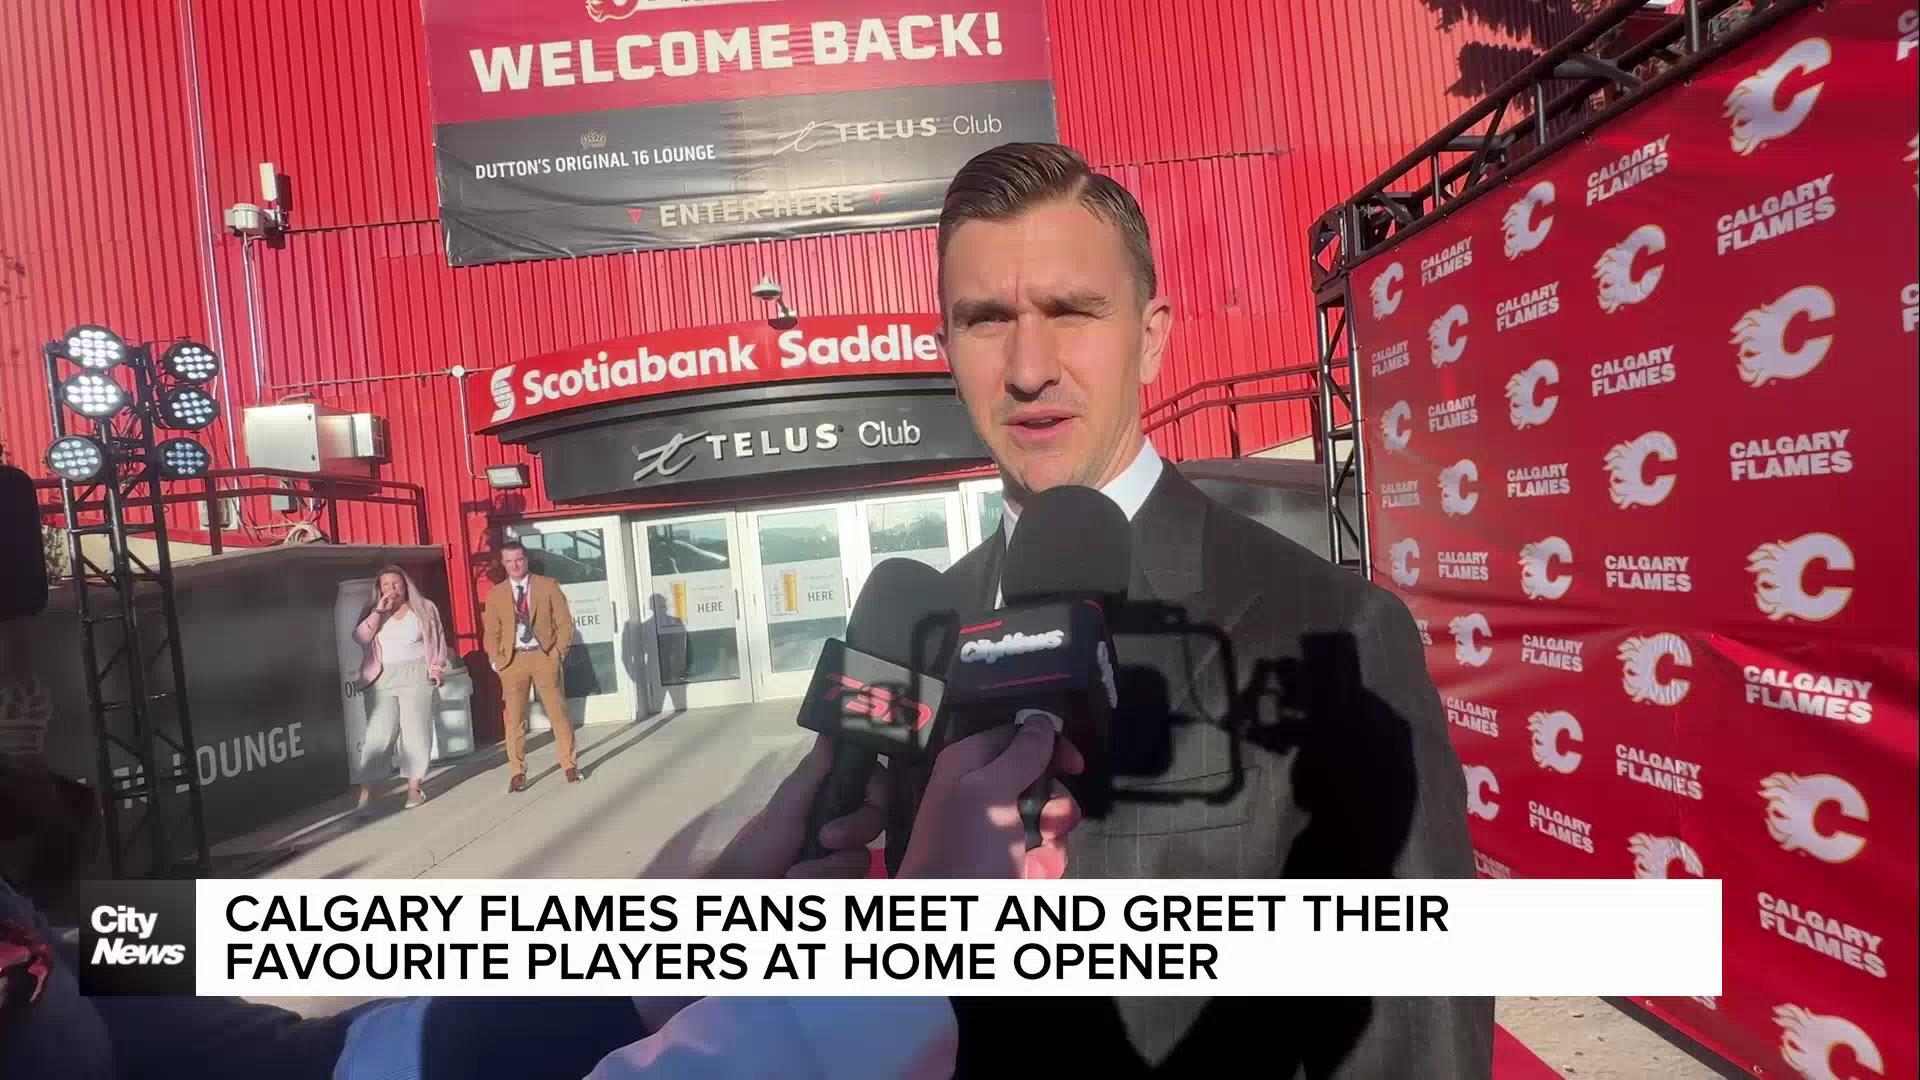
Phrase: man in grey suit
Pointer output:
(1276, 716)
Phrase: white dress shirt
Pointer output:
(1129, 492)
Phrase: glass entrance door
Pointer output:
(928, 528)
(688, 646)
(798, 591)
(587, 557)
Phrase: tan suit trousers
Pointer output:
(535, 670)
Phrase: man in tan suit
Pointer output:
(528, 630)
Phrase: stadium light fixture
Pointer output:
(76, 458)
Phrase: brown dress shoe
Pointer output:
(517, 784)
(574, 776)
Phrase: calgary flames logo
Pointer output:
(1792, 803)
(1547, 727)
(606, 10)
(1386, 297)
(1523, 234)
(1627, 470)
(1779, 576)
(1761, 335)
(1533, 569)
(1481, 780)
(1640, 664)
(1393, 426)
(1653, 856)
(1452, 500)
(1446, 347)
(1466, 642)
(1522, 408)
(1752, 106)
(1405, 574)
(501, 385)
(1614, 270)
(1808, 1040)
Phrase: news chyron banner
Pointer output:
(1641, 444)
(583, 127)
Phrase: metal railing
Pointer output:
(1233, 399)
(325, 493)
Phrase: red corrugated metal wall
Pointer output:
(1235, 121)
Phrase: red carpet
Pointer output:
(1513, 1061)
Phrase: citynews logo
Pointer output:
(879, 704)
(1761, 336)
(1753, 107)
(136, 937)
(986, 651)
(1779, 572)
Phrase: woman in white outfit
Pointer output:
(405, 656)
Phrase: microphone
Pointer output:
(1046, 656)
(871, 693)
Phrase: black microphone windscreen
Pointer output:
(1068, 541)
(904, 616)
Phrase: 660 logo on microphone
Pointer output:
(136, 937)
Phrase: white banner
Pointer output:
(956, 939)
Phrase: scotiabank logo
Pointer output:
(1794, 801)
(987, 651)
(1640, 669)
(1481, 781)
(1548, 729)
(1779, 572)
(1405, 573)
(1523, 232)
(879, 704)
(1394, 429)
(1614, 270)
(1654, 856)
(1761, 335)
(1386, 291)
(1525, 408)
(502, 387)
(1754, 106)
(1447, 345)
(1627, 470)
(1534, 560)
(1808, 1040)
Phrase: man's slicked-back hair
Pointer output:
(1007, 181)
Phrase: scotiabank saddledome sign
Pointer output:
(705, 358)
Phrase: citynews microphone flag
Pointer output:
(683, 938)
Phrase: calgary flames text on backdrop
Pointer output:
(1534, 559)
(1464, 566)
(1639, 165)
(1613, 271)
(1447, 345)
(1548, 729)
(1395, 432)
(1569, 830)
(1761, 335)
(1523, 227)
(1480, 781)
(1525, 407)
(1815, 453)
(1640, 668)
(1392, 358)
(1455, 501)
(1531, 306)
(1489, 867)
(1910, 306)
(1656, 770)
(1474, 716)
(1654, 856)
(1386, 290)
(1635, 371)
(1808, 694)
(1467, 630)
(1808, 1040)
(1403, 552)
(1908, 27)
(1795, 208)
(1626, 465)
(1400, 493)
(1451, 259)
(1533, 481)
(1649, 573)
(1560, 654)
(1857, 948)
(1453, 413)
(1779, 572)
(1793, 806)
(1757, 118)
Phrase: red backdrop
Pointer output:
(1642, 451)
